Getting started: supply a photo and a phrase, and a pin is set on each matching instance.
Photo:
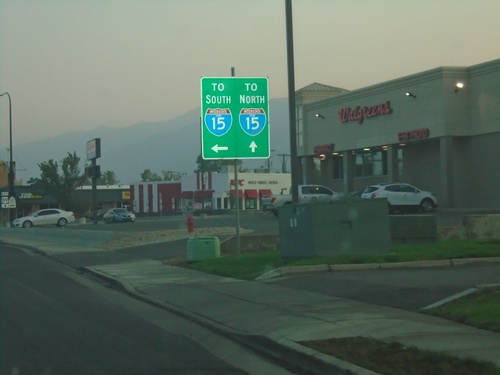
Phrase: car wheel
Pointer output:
(427, 205)
(62, 222)
(27, 224)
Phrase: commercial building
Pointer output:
(30, 199)
(210, 190)
(438, 130)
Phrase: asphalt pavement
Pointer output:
(266, 316)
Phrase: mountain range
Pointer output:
(170, 145)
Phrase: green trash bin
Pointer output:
(203, 247)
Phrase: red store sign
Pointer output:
(324, 149)
(359, 114)
(413, 135)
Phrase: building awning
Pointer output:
(187, 194)
(265, 192)
(203, 193)
(240, 193)
(252, 193)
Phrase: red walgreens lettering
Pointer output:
(360, 113)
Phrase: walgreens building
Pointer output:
(438, 130)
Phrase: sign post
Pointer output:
(235, 118)
(235, 123)
(94, 171)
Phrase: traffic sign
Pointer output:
(235, 117)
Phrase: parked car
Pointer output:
(48, 216)
(118, 215)
(306, 194)
(402, 196)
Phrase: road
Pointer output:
(406, 289)
(56, 321)
(258, 222)
(262, 224)
(409, 289)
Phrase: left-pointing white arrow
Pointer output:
(253, 146)
(218, 148)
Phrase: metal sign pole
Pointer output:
(237, 194)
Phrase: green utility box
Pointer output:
(200, 248)
(343, 227)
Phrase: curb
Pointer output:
(302, 270)
(286, 352)
(463, 293)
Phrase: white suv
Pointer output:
(402, 196)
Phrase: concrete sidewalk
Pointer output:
(274, 319)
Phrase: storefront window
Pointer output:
(315, 176)
(400, 161)
(338, 167)
(370, 163)
(380, 163)
(250, 203)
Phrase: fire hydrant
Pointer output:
(190, 223)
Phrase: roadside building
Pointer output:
(107, 196)
(155, 198)
(209, 191)
(30, 199)
(217, 191)
(438, 130)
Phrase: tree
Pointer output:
(148, 176)
(215, 165)
(107, 178)
(171, 175)
(61, 186)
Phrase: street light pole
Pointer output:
(11, 175)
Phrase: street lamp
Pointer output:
(11, 165)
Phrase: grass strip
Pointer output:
(251, 265)
(480, 309)
(396, 359)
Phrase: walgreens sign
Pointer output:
(359, 114)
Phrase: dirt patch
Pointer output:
(143, 238)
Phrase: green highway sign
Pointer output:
(235, 117)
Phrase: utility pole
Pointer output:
(269, 161)
(237, 197)
(294, 166)
(11, 177)
(283, 162)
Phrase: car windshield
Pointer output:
(121, 210)
(370, 189)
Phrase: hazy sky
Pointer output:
(75, 64)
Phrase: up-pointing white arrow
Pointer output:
(253, 146)
(218, 148)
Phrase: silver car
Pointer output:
(48, 216)
(118, 215)
(402, 196)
